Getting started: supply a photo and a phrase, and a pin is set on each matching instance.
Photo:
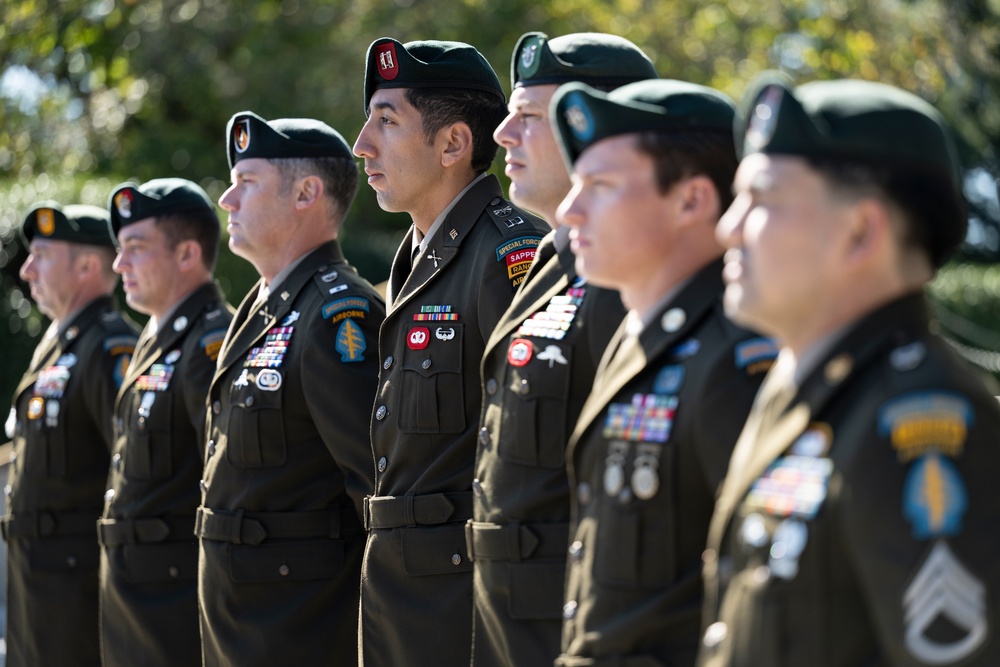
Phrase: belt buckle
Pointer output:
(367, 514)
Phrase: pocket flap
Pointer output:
(435, 550)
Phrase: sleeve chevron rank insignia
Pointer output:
(351, 342)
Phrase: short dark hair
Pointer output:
(339, 176)
(197, 224)
(680, 155)
(913, 193)
(480, 110)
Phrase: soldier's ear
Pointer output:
(456, 142)
(870, 229)
(188, 254)
(699, 200)
(308, 191)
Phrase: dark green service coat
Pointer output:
(531, 402)
(416, 589)
(58, 475)
(149, 560)
(288, 463)
(859, 526)
(648, 453)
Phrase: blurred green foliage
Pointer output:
(94, 92)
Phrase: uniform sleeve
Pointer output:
(198, 369)
(498, 277)
(918, 513)
(106, 369)
(339, 376)
(725, 404)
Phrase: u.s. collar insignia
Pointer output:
(123, 203)
(241, 135)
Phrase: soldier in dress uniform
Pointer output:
(652, 166)
(432, 108)
(167, 234)
(288, 459)
(61, 424)
(519, 537)
(858, 522)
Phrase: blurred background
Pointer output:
(95, 92)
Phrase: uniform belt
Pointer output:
(115, 532)
(516, 541)
(427, 510)
(240, 527)
(48, 524)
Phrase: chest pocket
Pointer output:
(44, 446)
(635, 544)
(432, 395)
(533, 424)
(256, 429)
(149, 452)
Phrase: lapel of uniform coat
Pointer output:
(253, 324)
(168, 335)
(760, 444)
(61, 344)
(443, 247)
(696, 299)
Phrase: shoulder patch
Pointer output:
(351, 342)
(212, 342)
(934, 497)
(124, 344)
(517, 254)
(351, 306)
(927, 421)
(756, 355)
(121, 368)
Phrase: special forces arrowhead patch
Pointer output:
(351, 342)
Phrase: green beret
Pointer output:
(595, 58)
(871, 124)
(75, 223)
(248, 135)
(130, 203)
(582, 116)
(427, 64)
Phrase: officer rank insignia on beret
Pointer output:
(385, 55)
